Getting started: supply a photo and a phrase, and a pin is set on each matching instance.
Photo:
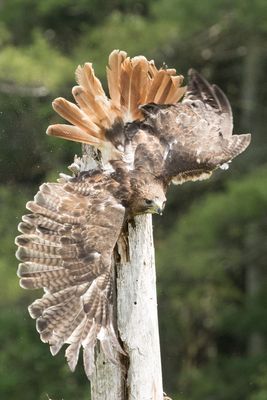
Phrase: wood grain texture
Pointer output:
(137, 313)
(139, 377)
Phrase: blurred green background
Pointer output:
(211, 243)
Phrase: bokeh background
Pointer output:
(211, 243)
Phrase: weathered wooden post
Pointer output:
(137, 313)
(140, 376)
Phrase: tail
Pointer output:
(132, 82)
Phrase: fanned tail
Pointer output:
(95, 119)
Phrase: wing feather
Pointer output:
(192, 138)
(66, 248)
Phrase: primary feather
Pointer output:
(146, 140)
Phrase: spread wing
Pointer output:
(66, 248)
(195, 136)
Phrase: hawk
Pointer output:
(143, 138)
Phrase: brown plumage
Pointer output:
(146, 139)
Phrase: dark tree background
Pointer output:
(211, 243)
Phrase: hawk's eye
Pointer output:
(148, 202)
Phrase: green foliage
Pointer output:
(27, 368)
(211, 243)
(203, 282)
(118, 31)
(31, 65)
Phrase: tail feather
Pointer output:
(86, 78)
(125, 79)
(97, 108)
(77, 117)
(161, 82)
(140, 83)
(165, 88)
(84, 101)
(176, 91)
(114, 67)
(73, 133)
(93, 95)
(154, 86)
(132, 83)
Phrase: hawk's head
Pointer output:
(148, 194)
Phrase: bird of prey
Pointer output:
(149, 132)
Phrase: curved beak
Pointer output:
(159, 207)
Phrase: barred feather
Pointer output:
(63, 251)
